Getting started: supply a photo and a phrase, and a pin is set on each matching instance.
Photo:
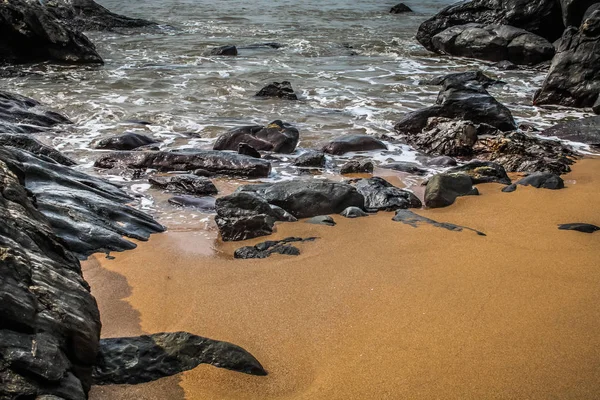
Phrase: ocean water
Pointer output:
(355, 67)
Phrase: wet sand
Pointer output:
(375, 309)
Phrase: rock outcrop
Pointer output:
(20, 114)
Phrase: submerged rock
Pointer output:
(278, 137)
(400, 8)
(584, 130)
(357, 167)
(483, 172)
(283, 90)
(224, 51)
(413, 219)
(310, 159)
(26, 142)
(184, 184)
(579, 227)
(215, 162)
(443, 189)
(463, 77)
(352, 143)
(30, 33)
(133, 360)
(127, 141)
(20, 114)
(381, 195)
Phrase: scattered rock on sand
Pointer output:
(443, 189)
(321, 220)
(270, 247)
(544, 180)
(352, 143)
(579, 227)
(244, 215)
(353, 212)
(278, 137)
(282, 90)
(381, 195)
(483, 172)
(413, 219)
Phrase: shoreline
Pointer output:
(433, 314)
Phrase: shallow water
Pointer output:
(355, 67)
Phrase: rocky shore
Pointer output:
(470, 147)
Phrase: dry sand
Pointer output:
(376, 309)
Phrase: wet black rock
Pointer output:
(321, 220)
(305, 199)
(30, 33)
(413, 219)
(353, 212)
(520, 152)
(244, 215)
(400, 8)
(460, 101)
(213, 162)
(542, 17)
(441, 161)
(579, 227)
(133, 360)
(575, 11)
(87, 15)
(224, 51)
(270, 247)
(184, 184)
(352, 143)
(50, 324)
(483, 172)
(463, 77)
(545, 180)
(443, 189)
(278, 137)
(574, 76)
(127, 141)
(272, 45)
(247, 150)
(405, 166)
(381, 195)
(310, 159)
(20, 114)
(585, 130)
(283, 90)
(357, 167)
(205, 203)
(443, 136)
(89, 214)
(26, 142)
(493, 43)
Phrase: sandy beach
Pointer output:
(376, 309)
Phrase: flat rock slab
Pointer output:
(585, 130)
(270, 247)
(139, 359)
(20, 114)
(410, 218)
(579, 227)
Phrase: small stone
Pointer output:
(400, 8)
(311, 159)
(579, 227)
(224, 51)
(353, 212)
(322, 220)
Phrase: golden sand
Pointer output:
(376, 309)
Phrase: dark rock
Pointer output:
(310, 159)
(462, 77)
(400, 8)
(89, 214)
(591, 9)
(244, 215)
(278, 137)
(493, 43)
(140, 359)
(596, 106)
(413, 219)
(573, 79)
(185, 184)
(321, 220)
(443, 189)
(281, 215)
(441, 161)
(224, 51)
(544, 180)
(87, 15)
(352, 143)
(542, 17)
(573, 11)
(505, 65)
(205, 203)
(30, 33)
(247, 150)
(305, 199)
(353, 212)
(270, 247)
(483, 172)
(26, 142)
(127, 141)
(443, 136)
(381, 195)
(579, 227)
(272, 45)
(460, 101)
(282, 90)
(585, 130)
(405, 166)
(20, 114)
(519, 152)
(215, 162)
(357, 167)
(136, 122)
(510, 188)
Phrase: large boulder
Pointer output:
(381, 195)
(278, 137)
(443, 189)
(584, 130)
(30, 33)
(20, 114)
(462, 77)
(460, 101)
(574, 76)
(493, 43)
(282, 90)
(573, 11)
(214, 162)
(541, 17)
(352, 143)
